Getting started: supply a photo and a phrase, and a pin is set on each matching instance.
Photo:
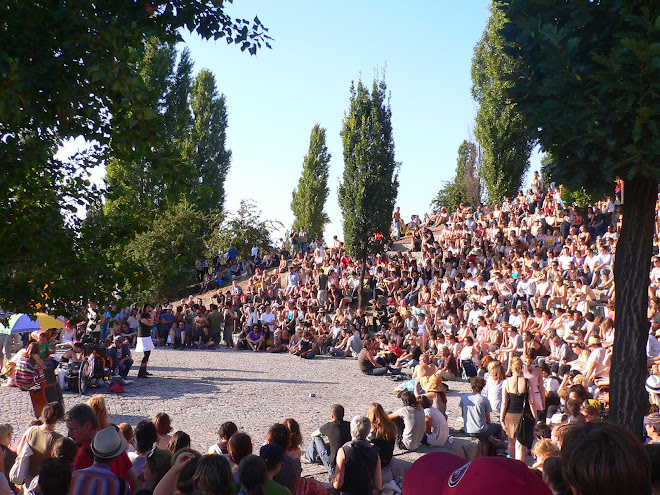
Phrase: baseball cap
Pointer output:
(271, 453)
(440, 473)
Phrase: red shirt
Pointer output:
(120, 466)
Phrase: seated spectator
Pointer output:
(120, 356)
(358, 464)
(605, 459)
(337, 432)
(225, 432)
(288, 474)
(410, 422)
(436, 427)
(372, 365)
(383, 433)
(99, 479)
(476, 414)
(273, 455)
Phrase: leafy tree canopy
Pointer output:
(589, 85)
(67, 70)
(243, 230)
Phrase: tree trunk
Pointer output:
(631, 277)
(364, 265)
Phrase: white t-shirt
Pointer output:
(439, 427)
(597, 356)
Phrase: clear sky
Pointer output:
(275, 98)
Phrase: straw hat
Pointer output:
(433, 383)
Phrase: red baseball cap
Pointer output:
(439, 473)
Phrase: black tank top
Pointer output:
(360, 465)
(515, 404)
(143, 330)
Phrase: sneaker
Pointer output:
(305, 460)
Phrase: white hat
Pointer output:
(169, 306)
(653, 384)
(108, 443)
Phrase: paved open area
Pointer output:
(202, 389)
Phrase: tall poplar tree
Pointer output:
(369, 187)
(210, 157)
(309, 197)
(501, 130)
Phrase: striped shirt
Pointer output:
(97, 480)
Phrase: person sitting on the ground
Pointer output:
(273, 455)
(476, 414)
(288, 474)
(605, 459)
(255, 338)
(358, 464)
(307, 346)
(437, 429)
(225, 432)
(99, 479)
(120, 356)
(82, 425)
(410, 422)
(371, 365)
(337, 432)
(205, 339)
(239, 447)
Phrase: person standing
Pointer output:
(514, 393)
(214, 317)
(302, 237)
(144, 342)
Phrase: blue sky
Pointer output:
(318, 48)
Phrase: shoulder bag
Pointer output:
(525, 429)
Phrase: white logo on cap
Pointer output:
(457, 475)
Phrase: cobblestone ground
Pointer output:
(202, 389)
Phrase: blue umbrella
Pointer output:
(20, 323)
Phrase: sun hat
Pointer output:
(653, 384)
(441, 473)
(594, 340)
(108, 443)
(433, 383)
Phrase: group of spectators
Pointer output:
(517, 297)
(101, 458)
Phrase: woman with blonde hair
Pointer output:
(515, 392)
(296, 440)
(494, 384)
(543, 450)
(383, 432)
(97, 403)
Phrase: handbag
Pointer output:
(525, 429)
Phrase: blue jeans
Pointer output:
(319, 451)
(124, 368)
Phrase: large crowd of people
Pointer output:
(517, 298)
